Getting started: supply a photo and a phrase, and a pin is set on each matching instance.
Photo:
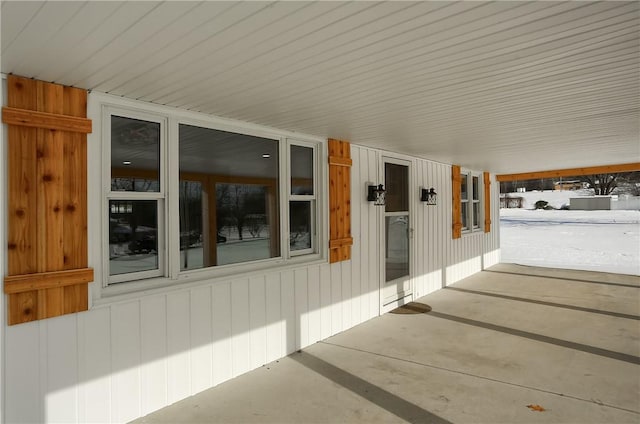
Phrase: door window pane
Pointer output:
(397, 247)
(300, 225)
(396, 178)
(133, 236)
(301, 170)
(135, 155)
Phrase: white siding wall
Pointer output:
(123, 360)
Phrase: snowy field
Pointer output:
(607, 241)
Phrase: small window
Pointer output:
(470, 201)
(135, 201)
(302, 199)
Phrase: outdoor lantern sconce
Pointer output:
(428, 196)
(375, 194)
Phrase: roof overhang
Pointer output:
(508, 86)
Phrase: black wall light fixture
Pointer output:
(428, 196)
(376, 194)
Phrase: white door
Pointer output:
(396, 234)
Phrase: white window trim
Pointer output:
(295, 197)
(105, 290)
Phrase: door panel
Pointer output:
(396, 233)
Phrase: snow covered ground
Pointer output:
(607, 241)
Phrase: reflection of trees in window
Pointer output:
(241, 205)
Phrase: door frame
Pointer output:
(384, 158)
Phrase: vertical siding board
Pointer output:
(221, 332)
(94, 328)
(276, 346)
(153, 345)
(201, 339)
(61, 400)
(257, 322)
(301, 307)
(125, 342)
(22, 373)
(325, 301)
(374, 243)
(240, 326)
(356, 251)
(347, 300)
(336, 298)
(287, 304)
(178, 345)
(364, 234)
(314, 304)
(419, 234)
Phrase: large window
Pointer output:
(221, 199)
(470, 200)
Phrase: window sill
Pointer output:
(133, 290)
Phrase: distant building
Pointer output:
(569, 185)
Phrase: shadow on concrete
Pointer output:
(579, 280)
(396, 405)
(542, 302)
(541, 338)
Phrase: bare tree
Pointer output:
(602, 184)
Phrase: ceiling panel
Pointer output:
(501, 86)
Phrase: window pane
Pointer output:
(464, 194)
(476, 214)
(397, 255)
(133, 236)
(396, 178)
(135, 155)
(475, 189)
(191, 228)
(464, 208)
(229, 197)
(300, 225)
(301, 170)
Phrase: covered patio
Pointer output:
(508, 344)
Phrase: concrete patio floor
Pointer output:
(494, 345)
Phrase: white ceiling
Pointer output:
(507, 86)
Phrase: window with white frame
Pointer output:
(471, 201)
(242, 197)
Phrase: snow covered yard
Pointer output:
(607, 241)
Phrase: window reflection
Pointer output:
(228, 198)
(397, 254)
(300, 225)
(135, 155)
(133, 236)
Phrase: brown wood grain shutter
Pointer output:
(487, 202)
(340, 239)
(456, 179)
(47, 200)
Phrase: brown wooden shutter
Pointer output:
(47, 200)
(340, 239)
(456, 208)
(487, 202)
